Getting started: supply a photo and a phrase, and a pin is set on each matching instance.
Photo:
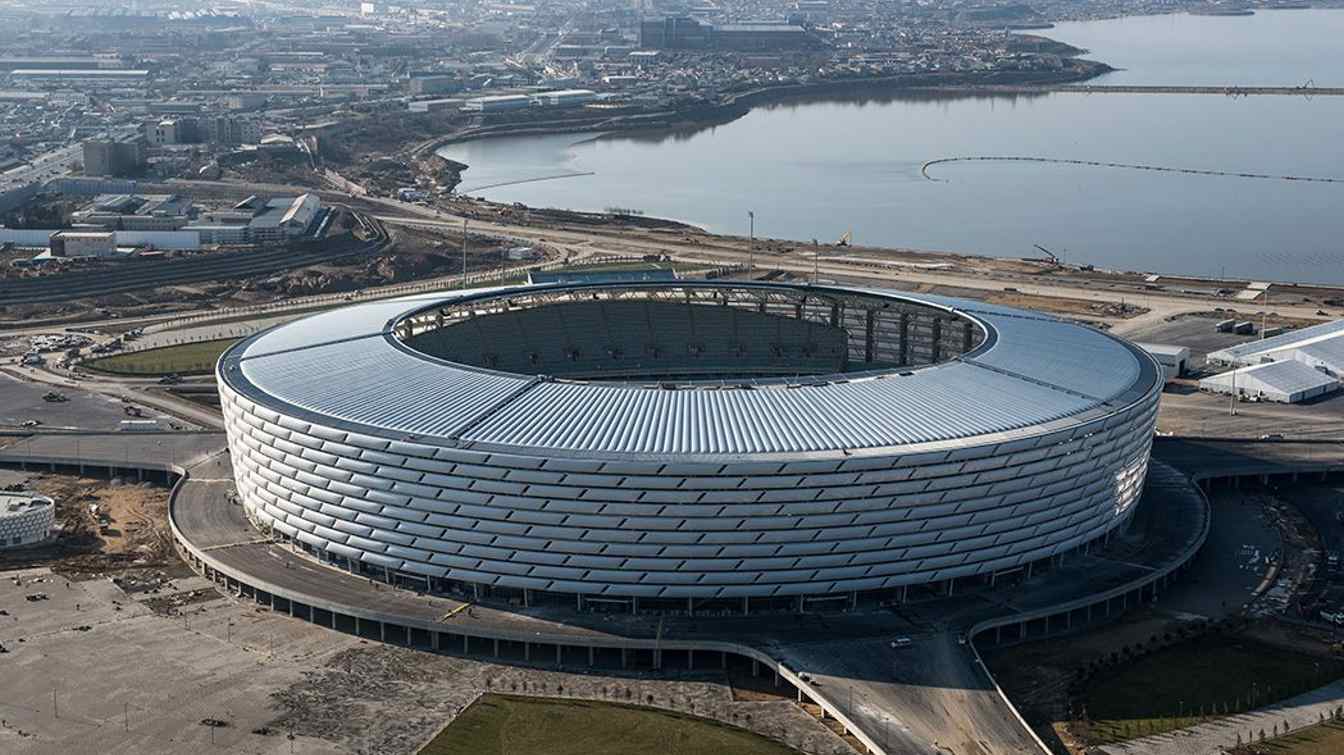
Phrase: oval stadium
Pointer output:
(723, 445)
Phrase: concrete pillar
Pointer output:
(579, 599)
(723, 660)
(800, 695)
(436, 640)
(527, 597)
(776, 676)
(496, 647)
(527, 651)
(690, 659)
(559, 655)
(333, 619)
(382, 631)
(690, 606)
(358, 626)
(905, 592)
(746, 606)
(951, 585)
(291, 605)
(624, 658)
(592, 656)
(1029, 564)
(1068, 620)
(997, 634)
(634, 606)
(755, 667)
(466, 645)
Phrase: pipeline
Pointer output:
(924, 169)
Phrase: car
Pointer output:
(1272, 436)
(901, 642)
(31, 423)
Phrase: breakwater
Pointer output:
(924, 169)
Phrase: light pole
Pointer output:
(464, 252)
(751, 241)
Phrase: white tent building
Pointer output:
(1285, 382)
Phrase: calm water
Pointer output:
(815, 169)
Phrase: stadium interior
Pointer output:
(684, 333)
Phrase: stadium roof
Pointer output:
(1032, 373)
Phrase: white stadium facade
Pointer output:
(720, 444)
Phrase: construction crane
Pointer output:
(1053, 259)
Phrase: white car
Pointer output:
(901, 642)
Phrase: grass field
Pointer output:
(183, 359)
(507, 725)
(1322, 739)
(1170, 689)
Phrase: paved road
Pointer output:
(1222, 457)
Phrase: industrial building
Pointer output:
(426, 84)
(72, 244)
(1286, 382)
(122, 156)
(435, 106)
(260, 221)
(1175, 360)
(566, 97)
(25, 519)
(135, 212)
(718, 445)
(1317, 346)
(688, 33)
(498, 103)
(1307, 362)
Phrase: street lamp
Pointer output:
(751, 242)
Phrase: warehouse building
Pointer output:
(74, 244)
(565, 97)
(1286, 382)
(688, 33)
(498, 103)
(1317, 346)
(1175, 360)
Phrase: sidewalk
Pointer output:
(1217, 736)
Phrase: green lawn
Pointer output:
(1169, 689)
(1322, 739)
(507, 725)
(183, 359)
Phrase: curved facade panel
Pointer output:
(912, 448)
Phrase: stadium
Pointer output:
(674, 444)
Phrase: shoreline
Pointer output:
(738, 105)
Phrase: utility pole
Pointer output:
(816, 260)
(751, 242)
(464, 252)
(1264, 315)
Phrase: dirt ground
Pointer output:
(116, 526)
